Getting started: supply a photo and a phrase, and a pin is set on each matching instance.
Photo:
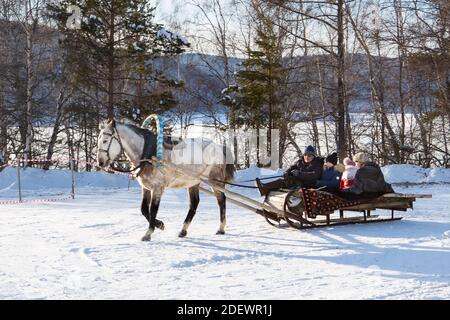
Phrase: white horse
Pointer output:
(196, 157)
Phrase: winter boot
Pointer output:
(262, 190)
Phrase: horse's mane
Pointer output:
(140, 131)
(169, 142)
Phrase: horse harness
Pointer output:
(149, 150)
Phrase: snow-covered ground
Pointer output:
(89, 247)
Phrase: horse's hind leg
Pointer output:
(221, 200)
(146, 200)
(194, 199)
(154, 206)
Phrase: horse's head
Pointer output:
(109, 145)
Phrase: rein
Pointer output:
(244, 186)
(159, 152)
(225, 182)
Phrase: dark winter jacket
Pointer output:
(306, 174)
(330, 179)
(369, 179)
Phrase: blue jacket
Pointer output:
(330, 179)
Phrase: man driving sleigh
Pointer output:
(303, 174)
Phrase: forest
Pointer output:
(341, 75)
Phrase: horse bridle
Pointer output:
(113, 136)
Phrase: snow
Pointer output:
(405, 173)
(163, 33)
(35, 179)
(89, 248)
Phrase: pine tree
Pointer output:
(113, 52)
(255, 103)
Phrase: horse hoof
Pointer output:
(220, 232)
(182, 234)
(147, 236)
(160, 225)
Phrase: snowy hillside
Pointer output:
(89, 248)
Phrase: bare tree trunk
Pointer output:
(444, 135)
(56, 126)
(322, 102)
(111, 65)
(3, 126)
(401, 55)
(341, 136)
(29, 93)
(423, 137)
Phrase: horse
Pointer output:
(211, 161)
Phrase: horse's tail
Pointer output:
(229, 172)
(229, 165)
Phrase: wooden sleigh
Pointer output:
(299, 215)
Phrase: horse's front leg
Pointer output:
(154, 206)
(146, 200)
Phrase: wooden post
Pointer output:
(341, 214)
(368, 213)
(18, 181)
(365, 216)
(73, 178)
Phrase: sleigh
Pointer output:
(309, 208)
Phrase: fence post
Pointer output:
(18, 181)
(73, 177)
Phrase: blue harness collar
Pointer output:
(159, 121)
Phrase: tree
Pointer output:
(26, 43)
(115, 50)
(328, 16)
(256, 102)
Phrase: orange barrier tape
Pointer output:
(35, 200)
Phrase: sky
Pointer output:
(163, 8)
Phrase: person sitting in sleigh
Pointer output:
(369, 179)
(302, 174)
(331, 176)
